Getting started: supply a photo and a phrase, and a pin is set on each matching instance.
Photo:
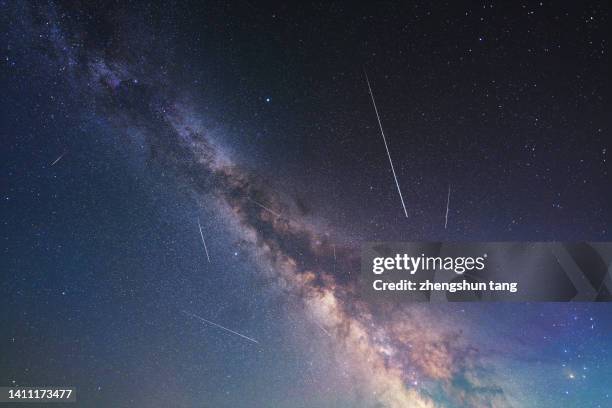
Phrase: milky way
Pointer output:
(391, 352)
(399, 356)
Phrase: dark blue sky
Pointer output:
(165, 113)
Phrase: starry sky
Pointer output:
(128, 127)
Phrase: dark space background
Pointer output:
(506, 103)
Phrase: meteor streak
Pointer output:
(385, 141)
(333, 246)
(195, 316)
(58, 159)
(263, 206)
(447, 205)
(203, 241)
(322, 329)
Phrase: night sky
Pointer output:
(125, 125)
